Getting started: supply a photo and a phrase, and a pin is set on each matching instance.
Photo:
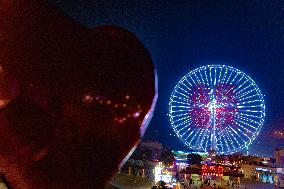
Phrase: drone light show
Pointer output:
(217, 107)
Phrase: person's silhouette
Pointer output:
(73, 100)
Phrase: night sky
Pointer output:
(183, 35)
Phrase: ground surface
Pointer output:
(124, 181)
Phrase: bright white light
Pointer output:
(136, 114)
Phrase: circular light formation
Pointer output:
(217, 107)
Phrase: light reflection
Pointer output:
(123, 111)
(88, 98)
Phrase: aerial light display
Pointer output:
(216, 107)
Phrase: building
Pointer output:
(280, 177)
(264, 170)
(249, 171)
(182, 159)
(279, 156)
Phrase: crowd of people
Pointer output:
(205, 184)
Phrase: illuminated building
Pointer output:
(181, 158)
(279, 155)
(207, 170)
(161, 174)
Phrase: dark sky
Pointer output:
(183, 35)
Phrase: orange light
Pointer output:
(3, 102)
(87, 98)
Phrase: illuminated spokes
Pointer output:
(217, 106)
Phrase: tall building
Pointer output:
(279, 156)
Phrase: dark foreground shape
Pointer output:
(72, 99)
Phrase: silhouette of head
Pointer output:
(73, 100)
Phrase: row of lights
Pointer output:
(131, 111)
(212, 174)
(279, 133)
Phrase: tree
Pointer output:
(142, 154)
(221, 158)
(167, 157)
(194, 159)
